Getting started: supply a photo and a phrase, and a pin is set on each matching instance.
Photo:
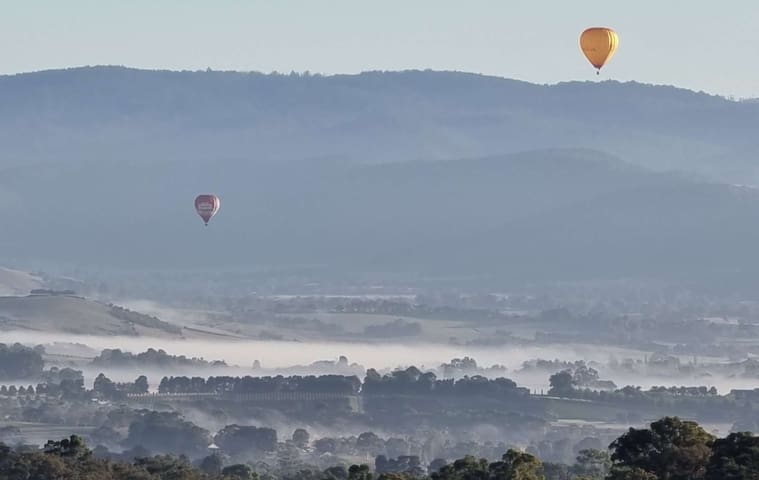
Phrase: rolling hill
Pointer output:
(74, 315)
(539, 216)
(15, 282)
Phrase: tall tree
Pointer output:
(672, 449)
(516, 465)
(592, 464)
(562, 384)
(734, 457)
(239, 472)
(467, 468)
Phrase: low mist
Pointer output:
(278, 357)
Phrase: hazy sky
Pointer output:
(711, 46)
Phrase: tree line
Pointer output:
(669, 449)
(149, 358)
(565, 384)
(410, 381)
(349, 385)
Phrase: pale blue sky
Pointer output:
(711, 46)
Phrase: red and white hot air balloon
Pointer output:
(207, 206)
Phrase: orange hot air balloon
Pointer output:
(207, 206)
(599, 44)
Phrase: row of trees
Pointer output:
(410, 381)
(460, 367)
(108, 389)
(414, 381)
(66, 389)
(149, 321)
(73, 387)
(349, 385)
(566, 384)
(14, 391)
(54, 382)
(416, 310)
(116, 358)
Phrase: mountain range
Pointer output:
(426, 173)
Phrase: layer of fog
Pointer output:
(279, 357)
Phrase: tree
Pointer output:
(325, 445)
(359, 472)
(169, 467)
(592, 464)
(436, 465)
(70, 459)
(141, 384)
(370, 442)
(672, 449)
(236, 439)
(467, 468)
(301, 438)
(338, 472)
(288, 459)
(18, 362)
(72, 447)
(516, 465)
(734, 457)
(167, 432)
(561, 384)
(396, 476)
(239, 472)
(407, 464)
(71, 389)
(585, 376)
(38, 466)
(556, 471)
(104, 386)
(211, 464)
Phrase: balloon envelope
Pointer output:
(599, 44)
(207, 206)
